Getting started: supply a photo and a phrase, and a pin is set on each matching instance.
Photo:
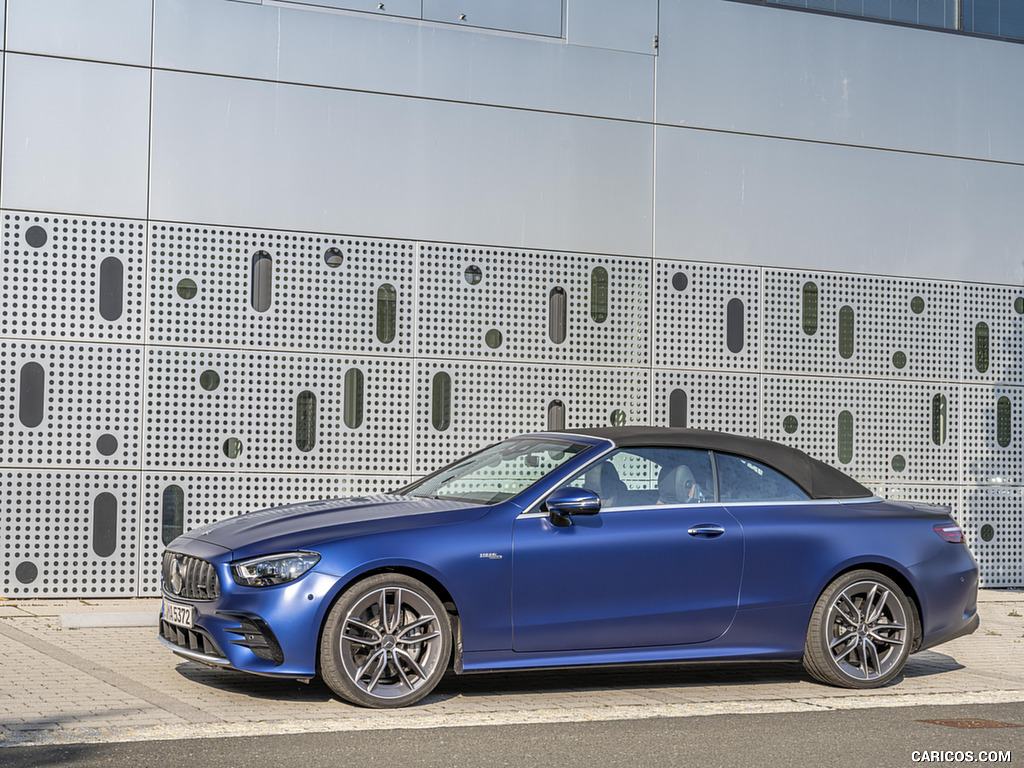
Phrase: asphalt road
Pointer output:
(888, 737)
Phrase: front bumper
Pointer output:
(265, 631)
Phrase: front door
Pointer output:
(659, 565)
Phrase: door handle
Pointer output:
(706, 530)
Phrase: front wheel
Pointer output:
(860, 631)
(386, 642)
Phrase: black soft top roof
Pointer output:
(817, 479)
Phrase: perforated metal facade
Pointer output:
(254, 258)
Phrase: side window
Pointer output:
(636, 477)
(742, 479)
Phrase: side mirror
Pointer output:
(565, 502)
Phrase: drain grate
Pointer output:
(971, 723)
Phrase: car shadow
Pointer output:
(576, 680)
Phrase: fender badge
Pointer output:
(490, 555)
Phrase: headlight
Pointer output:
(271, 570)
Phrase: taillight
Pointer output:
(950, 532)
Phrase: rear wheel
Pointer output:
(386, 642)
(860, 631)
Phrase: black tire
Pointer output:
(861, 631)
(386, 642)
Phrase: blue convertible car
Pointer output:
(604, 546)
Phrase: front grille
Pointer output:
(194, 639)
(190, 577)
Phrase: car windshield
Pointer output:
(496, 473)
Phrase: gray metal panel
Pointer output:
(63, 256)
(76, 137)
(102, 30)
(91, 405)
(535, 17)
(754, 200)
(409, 8)
(769, 70)
(304, 158)
(691, 303)
(367, 53)
(622, 25)
(47, 531)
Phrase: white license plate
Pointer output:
(179, 615)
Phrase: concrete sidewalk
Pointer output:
(79, 671)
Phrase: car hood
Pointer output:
(302, 525)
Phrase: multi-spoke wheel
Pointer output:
(860, 632)
(386, 642)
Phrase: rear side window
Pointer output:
(742, 479)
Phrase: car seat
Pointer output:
(604, 481)
(677, 485)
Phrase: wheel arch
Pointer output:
(428, 579)
(899, 577)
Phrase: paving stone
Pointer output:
(114, 683)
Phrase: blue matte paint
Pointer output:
(625, 585)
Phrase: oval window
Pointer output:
(441, 401)
(104, 525)
(172, 514)
(847, 329)
(305, 421)
(981, 346)
(111, 288)
(387, 313)
(493, 338)
(557, 310)
(677, 407)
(809, 308)
(734, 321)
(1004, 422)
(31, 394)
(599, 294)
(556, 416)
(353, 398)
(262, 281)
(939, 418)
(845, 437)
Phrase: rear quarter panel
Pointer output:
(794, 550)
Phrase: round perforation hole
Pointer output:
(187, 288)
(232, 447)
(107, 445)
(209, 380)
(36, 237)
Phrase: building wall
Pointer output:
(256, 252)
